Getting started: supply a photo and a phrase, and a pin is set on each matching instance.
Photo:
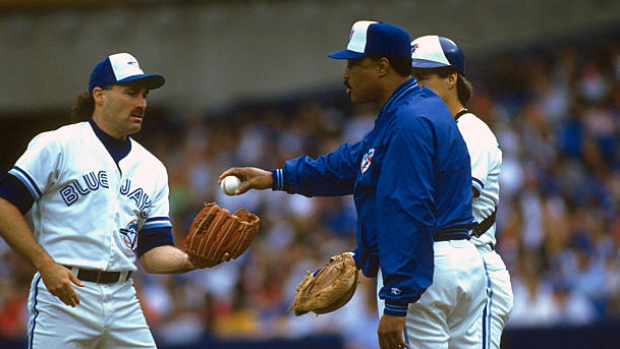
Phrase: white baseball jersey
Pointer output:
(486, 162)
(88, 211)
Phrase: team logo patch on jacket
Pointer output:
(130, 234)
(367, 160)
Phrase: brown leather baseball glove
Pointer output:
(328, 288)
(215, 232)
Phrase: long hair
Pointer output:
(83, 108)
(464, 89)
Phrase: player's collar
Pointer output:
(461, 113)
(117, 148)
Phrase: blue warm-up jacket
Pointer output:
(410, 178)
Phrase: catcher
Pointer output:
(216, 235)
(328, 288)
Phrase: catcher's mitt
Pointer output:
(327, 289)
(215, 231)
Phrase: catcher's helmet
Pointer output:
(434, 51)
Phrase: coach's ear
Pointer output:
(99, 95)
(383, 65)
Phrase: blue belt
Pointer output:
(444, 235)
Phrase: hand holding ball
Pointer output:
(230, 184)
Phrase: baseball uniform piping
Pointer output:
(34, 310)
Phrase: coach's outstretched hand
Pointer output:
(251, 177)
(58, 280)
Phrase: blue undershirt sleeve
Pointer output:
(15, 192)
(148, 239)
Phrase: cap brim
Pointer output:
(151, 81)
(346, 54)
(427, 64)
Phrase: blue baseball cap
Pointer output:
(121, 68)
(375, 38)
(434, 51)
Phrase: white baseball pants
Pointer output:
(108, 317)
(449, 313)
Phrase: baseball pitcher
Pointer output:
(98, 199)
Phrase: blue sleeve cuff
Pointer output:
(395, 309)
(278, 179)
(148, 239)
(477, 185)
(15, 192)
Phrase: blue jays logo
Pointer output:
(367, 160)
(130, 234)
(414, 47)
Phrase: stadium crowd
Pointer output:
(556, 114)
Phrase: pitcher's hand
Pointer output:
(58, 281)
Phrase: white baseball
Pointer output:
(229, 184)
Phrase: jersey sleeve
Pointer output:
(328, 175)
(157, 228)
(479, 155)
(40, 165)
(406, 220)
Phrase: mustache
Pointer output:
(346, 84)
(138, 112)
